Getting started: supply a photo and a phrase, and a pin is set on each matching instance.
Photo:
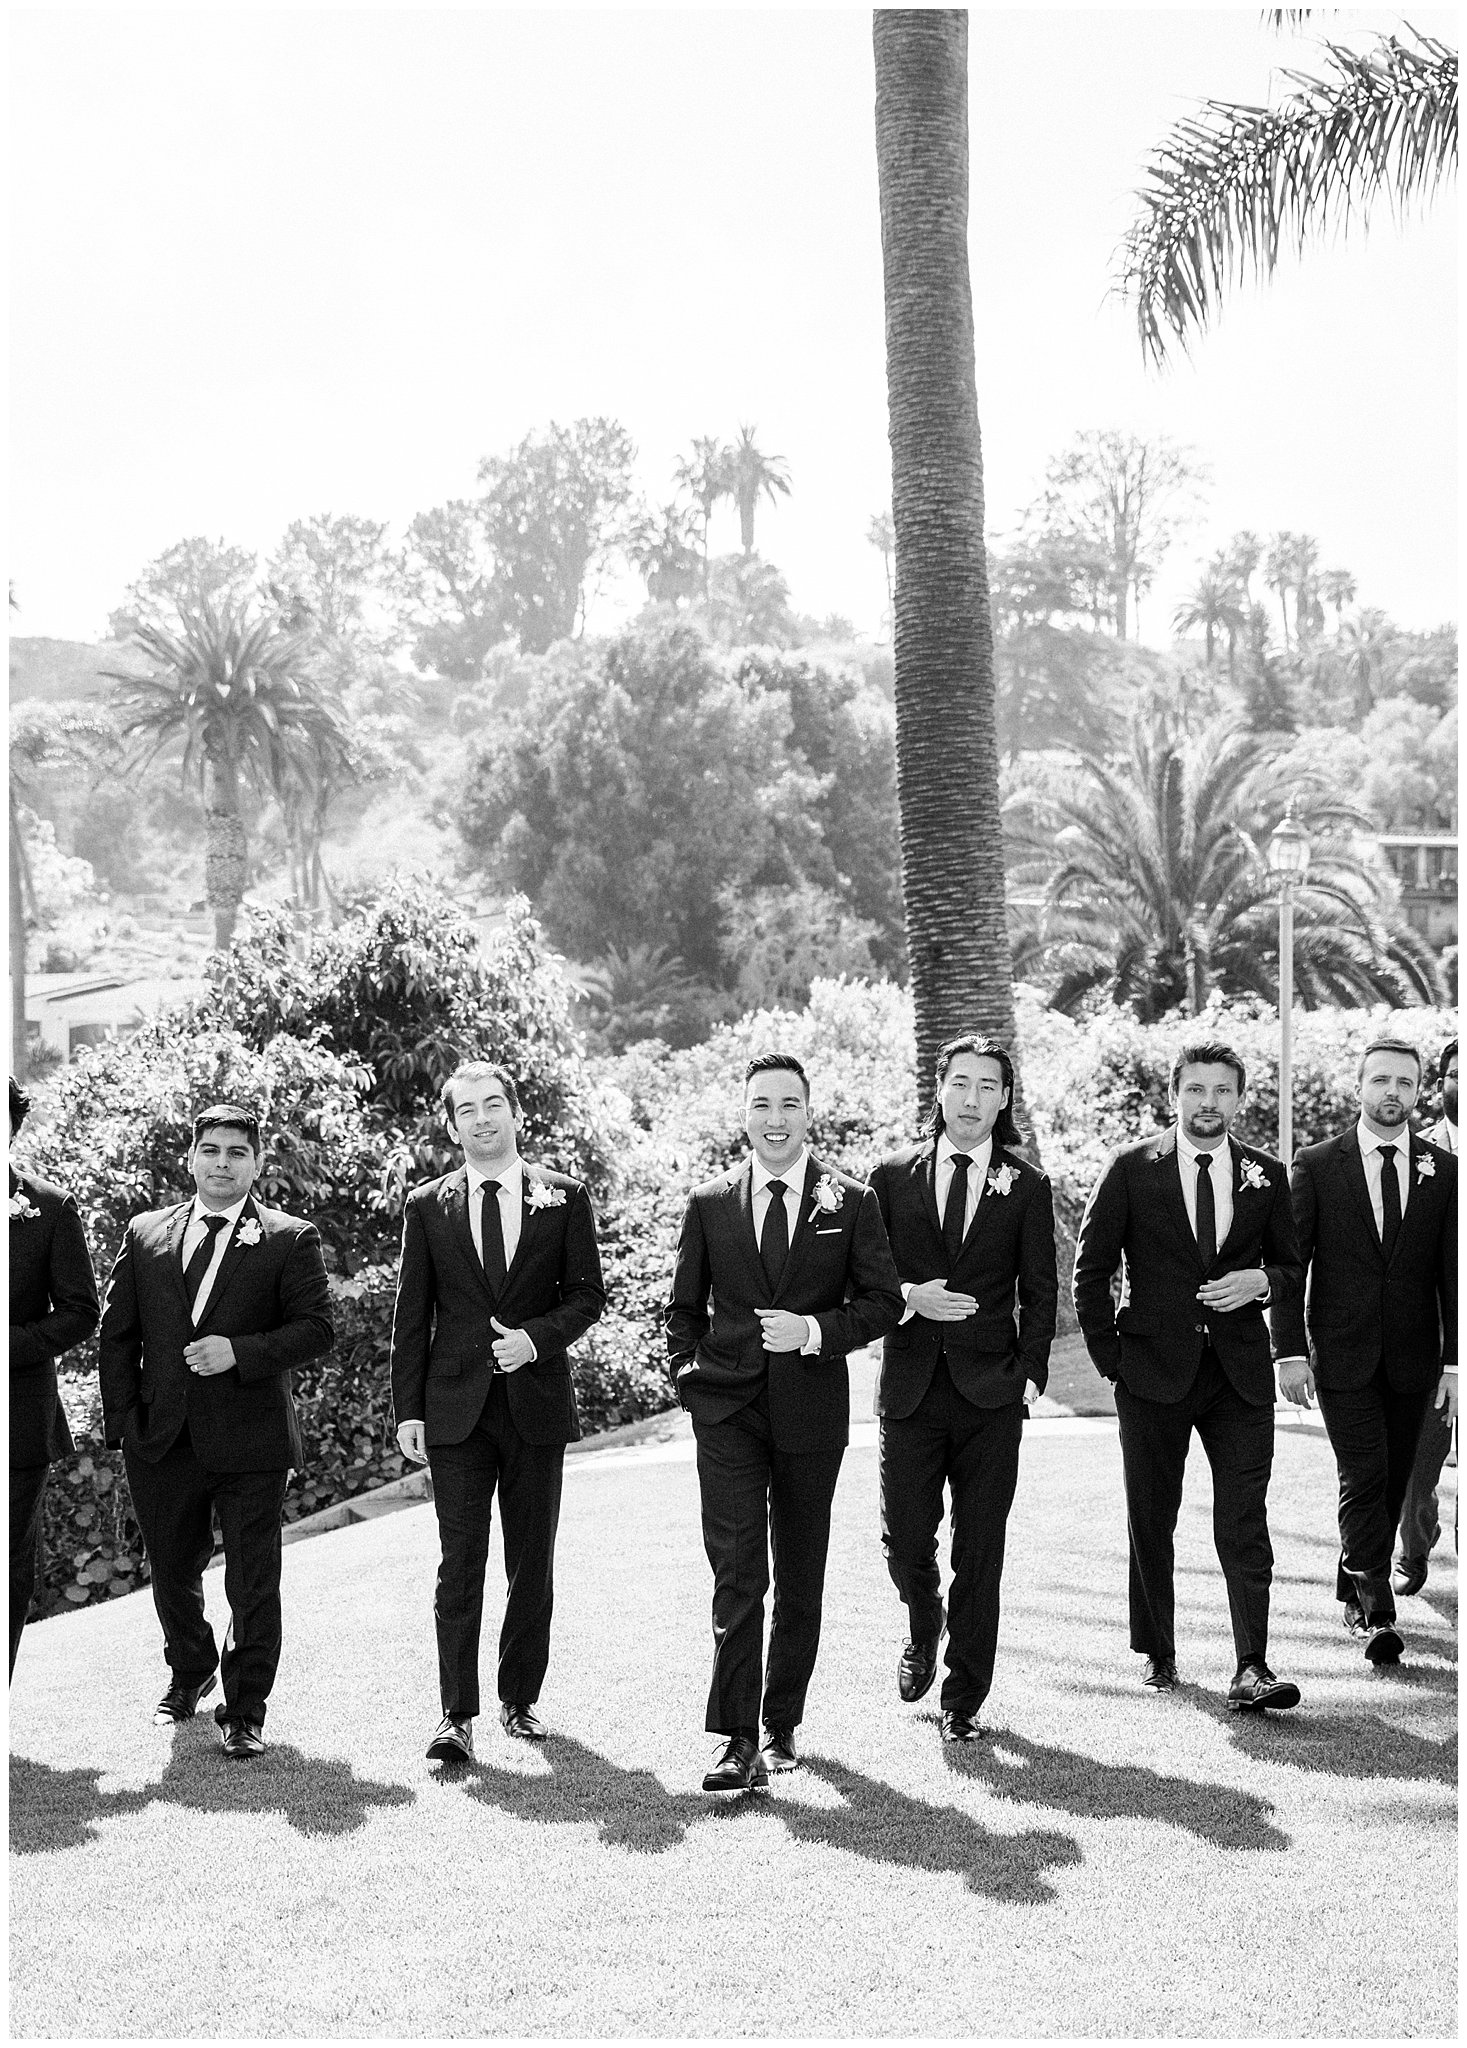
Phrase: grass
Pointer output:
(1108, 1862)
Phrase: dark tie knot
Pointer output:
(1204, 1162)
(490, 1187)
(962, 1161)
(1388, 1155)
(213, 1223)
(776, 1187)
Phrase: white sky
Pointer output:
(265, 264)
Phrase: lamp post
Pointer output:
(1288, 858)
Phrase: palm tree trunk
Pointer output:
(226, 853)
(746, 525)
(18, 876)
(947, 750)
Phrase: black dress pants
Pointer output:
(757, 1498)
(175, 1502)
(1373, 1431)
(976, 1452)
(27, 1490)
(1420, 1519)
(1237, 1437)
(529, 1480)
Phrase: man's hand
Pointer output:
(1446, 1395)
(512, 1348)
(1296, 1381)
(933, 1300)
(1031, 1393)
(1234, 1290)
(412, 1441)
(208, 1356)
(782, 1330)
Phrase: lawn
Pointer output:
(1108, 1862)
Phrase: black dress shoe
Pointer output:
(517, 1719)
(1160, 1674)
(1408, 1577)
(960, 1728)
(1255, 1687)
(917, 1665)
(1383, 1643)
(180, 1702)
(1354, 1620)
(242, 1738)
(453, 1741)
(739, 1768)
(779, 1751)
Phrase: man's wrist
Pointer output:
(811, 1345)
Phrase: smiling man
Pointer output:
(1203, 1230)
(782, 1269)
(210, 1307)
(500, 1274)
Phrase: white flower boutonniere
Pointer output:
(22, 1208)
(541, 1195)
(1002, 1179)
(827, 1196)
(1253, 1175)
(249, 1231)
(1425, 1167)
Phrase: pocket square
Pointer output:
(829, 1233)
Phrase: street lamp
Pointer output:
(1288, 858)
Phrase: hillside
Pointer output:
(64, 671)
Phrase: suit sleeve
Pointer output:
(120, 1348)
(1285, 1270)
(1097, 1254)
(305, 1330)
(1303, 1201)
(412, 1320)
(1038, 1284)
(685, 1319)
(72, 1286)
(582, 1291)
(1447, 1281)
(873, 1304)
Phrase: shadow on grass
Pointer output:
(51, 1809)
(1070, 1782)
(634, 1810)
(1341, 1745)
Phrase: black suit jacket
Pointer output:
(1361, 1310)
(1154, 1342)
(839, 1271)
(1009, 1247)
(53, 1305)
(269, 1299)
(442, 1363)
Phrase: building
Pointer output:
(1425, 865)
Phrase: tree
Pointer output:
(230, 689)
(1232, 186)
(1216, 605)
(749, 603)
(704, 476)
(952, 856)
(448, 574)
(554, 512)
(1337, 588)
(752, 475)
(664, 547)
(1121, 498)
(190, 573)
(334, 577)
(1365, 641)
(882, 536)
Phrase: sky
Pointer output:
(265, 264)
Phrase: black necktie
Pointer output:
(201, 1256)
(955, 1208)
(1390, 1200)
(491, 1236)
(1206, 1212)
(774, 1239)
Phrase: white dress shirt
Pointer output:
(1222, 1183)
(1374, 1166)
(1443, 1136)
(194, 1232)
(942, 1181)
(511, 1180)
(793, 1177)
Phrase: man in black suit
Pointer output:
(970, 1224)
(53, 1305)
(211, 1306)
(500, 1274)
(782, 1269)
(1376, 1209)
(1205, 1231)
(1420, 1520)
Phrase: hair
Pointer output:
(1208, 1052)
(228, 1116)
(20, 1103)
(479, 1070)
(1397, 1045)
(776, 1063)
(1006, 1133)
(1448, 1054)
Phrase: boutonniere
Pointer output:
(827, 1196)
(22, 1208)
(541, 1195)
(1425, 1168)
(1253, 1175)
(249, 1231)
(1002, 1179)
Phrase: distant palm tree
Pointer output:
(752, 476)
(1157, 889)
(704, 475)
(1337, 588)
(1216, 605)
(1278, 572)
(1244, 552)
(1365, 640)
(882, 536)
(1231, 186)
(1308, 614)
(233, 690)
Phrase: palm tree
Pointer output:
(235, 691)
(1244, 552)
(1365, 640)
(1156, 887)
(1337, 588)
(1278, 572)
(752, 476)
(704, 475)
(1308, 615)
(1216, 605)
(951, 837)
(882, 536)
(1232, 185)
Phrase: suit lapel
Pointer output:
(529, 1220)
(1240, 1194)
(925, 1168)
(1418, 1189)
(803, 1226)
(456, 1202)
(1352, 1167)
(230, 1263)
(1168, 1169)
(173, 1243)
(740, 1197)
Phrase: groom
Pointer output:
(782, 1268)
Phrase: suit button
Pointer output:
(1199, 1328)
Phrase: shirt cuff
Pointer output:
(811, 1345)
(1297, 1359)
(908, 1312)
